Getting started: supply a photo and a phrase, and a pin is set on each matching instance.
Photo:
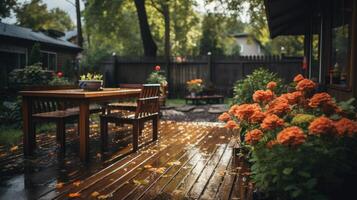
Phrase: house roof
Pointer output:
(69, 34)
(247, 35)
(13, 31)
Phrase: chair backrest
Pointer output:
(148, 102)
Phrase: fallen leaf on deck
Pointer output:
(174, 163)
(59, 185)
(147, 166)
(14, 148)
(74, 195)
(77, 183)
(222, 137)
(160, 170)
(95, 194)
(140, 182)
(104, 196)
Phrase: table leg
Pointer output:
(84, 131)
(29, 138)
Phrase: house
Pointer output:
(16, 43)
(332, 24)
(249, 45)
(70, 36)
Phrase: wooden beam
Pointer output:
(354, 50)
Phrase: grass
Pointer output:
(10, 136)
(175, 102)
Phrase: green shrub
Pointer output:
(59, 81)
(32, 75)
(258, 80)
(11, 113)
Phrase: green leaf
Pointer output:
(287, 171)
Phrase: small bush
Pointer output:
(11, 113)
(258, 80)
(32, 75)
(59, 81)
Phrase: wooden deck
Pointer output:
(189, 161)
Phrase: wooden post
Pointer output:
(84, 130)
(354, 50)
(325, 39)
(211, 67)
(29, 138)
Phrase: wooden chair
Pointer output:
(127, 106)
(147, 109)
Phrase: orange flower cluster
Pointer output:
(291, 136)
(279, 106)
(322, 126)
(271, 85)
(345, 126)
(271, 122)
(194, 81)
(253, 136)
(319, 99)
(248, 112)
(298, 78)
(231, 124)
(263, 96)
(293, 97)
(224, 117)
(305, 85)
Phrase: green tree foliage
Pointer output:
(5, 7)
(210, 34)
(35, 55)
(35, 15)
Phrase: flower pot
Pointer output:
(91, 85)
(193, 94)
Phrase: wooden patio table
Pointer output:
(78, 96)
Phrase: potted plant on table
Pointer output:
(195, 86)
(91, 82)
(158, 77)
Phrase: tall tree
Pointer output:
(35, 15)
(5, 7)
(150, 48)
(79, 25)
(210, 34)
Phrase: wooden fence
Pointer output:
(219, 73)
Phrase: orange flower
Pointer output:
(319, 99)
(322, 126)
(248, 112)
(279, 107)
(253, 136)
(224, 117)
(271, 122)
(271, 85)
(263, 96)
(271, 143)
(298, 78)
(231, 124)
(346, 126)
(291, 136)
(305, 85)
(293, 97)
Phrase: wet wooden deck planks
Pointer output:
(190, 160)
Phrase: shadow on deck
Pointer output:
(189, 161)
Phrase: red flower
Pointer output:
(157, 68)
(60, 74)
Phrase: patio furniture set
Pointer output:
(61, 106)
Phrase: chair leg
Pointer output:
(61, 135)
(155, 125)
(135, 136)
(104, 133)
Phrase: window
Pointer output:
(338, 73)
(49, 60)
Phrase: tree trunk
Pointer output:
(79, 25)
(149, 44)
